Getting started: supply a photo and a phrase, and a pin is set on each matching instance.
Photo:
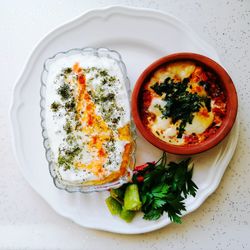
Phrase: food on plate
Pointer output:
(131, 198)
(156, 187)
(183, 103)
(87, 118)
(116, 208)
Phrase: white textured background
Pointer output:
(222, 222)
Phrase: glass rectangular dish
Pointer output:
(53, 113)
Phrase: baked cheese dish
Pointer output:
(183, 103)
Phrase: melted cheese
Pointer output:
(177, 71)
(163, 127)
(200, 123)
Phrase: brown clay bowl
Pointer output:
(226, 85)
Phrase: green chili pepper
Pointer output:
(127, 215)
(114, 206)
(132, 198)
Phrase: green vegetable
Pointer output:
(164, 188)
(157, 187)
(118, 194)
(114, 206)
(131, 198)
(127, 215)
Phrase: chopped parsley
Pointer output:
(205, 85)
(180, 103)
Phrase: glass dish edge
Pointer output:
(48, 153)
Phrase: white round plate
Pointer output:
(141, 36)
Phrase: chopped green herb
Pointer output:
(62, 161)
(67, 70)
(180, 104)
(205, 85)
(55, 106)
(104, 81)
(108, 97)
(70, 105)
(66, 160)
(207, 102)
(103, 73)
(116, 120)
(73, 152)
(181, 129)
(70, 139)
(112, 79)
(64, 91)
(68, 127)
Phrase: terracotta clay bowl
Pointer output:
(226, 85)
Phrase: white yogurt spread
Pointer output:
(78, 145)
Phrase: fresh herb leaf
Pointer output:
(160, 191)
(153, 214)
(158, 203)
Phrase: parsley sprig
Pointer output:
(164, 188)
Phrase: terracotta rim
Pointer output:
(227, 86)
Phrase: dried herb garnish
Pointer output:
(55, 106)
(64, 91)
